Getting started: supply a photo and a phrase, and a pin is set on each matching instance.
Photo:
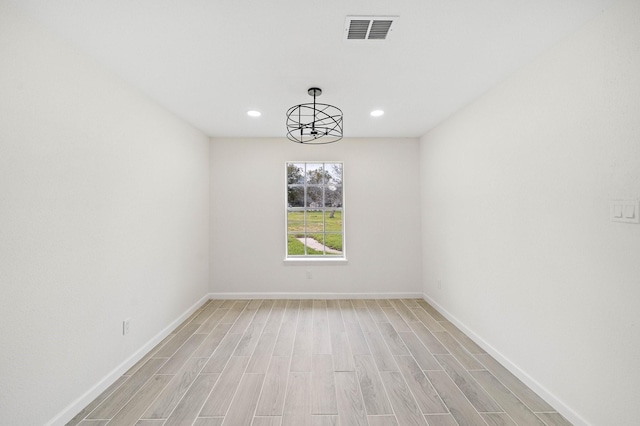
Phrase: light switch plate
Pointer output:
(617, 210)
(627, 211)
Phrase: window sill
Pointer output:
(308, 260)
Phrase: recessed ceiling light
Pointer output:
(253, 113)
(377, 113)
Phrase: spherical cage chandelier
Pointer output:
(314, 123)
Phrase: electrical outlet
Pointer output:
(309, 275)
(125, 326)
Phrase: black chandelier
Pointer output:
(314, 123)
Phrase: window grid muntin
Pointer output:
(306, 208)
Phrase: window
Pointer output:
(315, 210)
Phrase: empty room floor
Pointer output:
(320, 363)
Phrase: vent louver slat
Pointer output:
(358, 30)
(379, 30)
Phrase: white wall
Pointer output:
(103, 216)
(382, 218)
(515, 211)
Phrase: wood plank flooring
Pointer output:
(317, 363)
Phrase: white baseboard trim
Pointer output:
(76, 406)
(543, 392)
(272, 295)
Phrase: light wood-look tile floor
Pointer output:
(318, 363)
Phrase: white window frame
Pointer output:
(313, 257)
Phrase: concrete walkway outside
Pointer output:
(315, 245)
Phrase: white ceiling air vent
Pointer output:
(369, 27)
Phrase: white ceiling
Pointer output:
(209, 61)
